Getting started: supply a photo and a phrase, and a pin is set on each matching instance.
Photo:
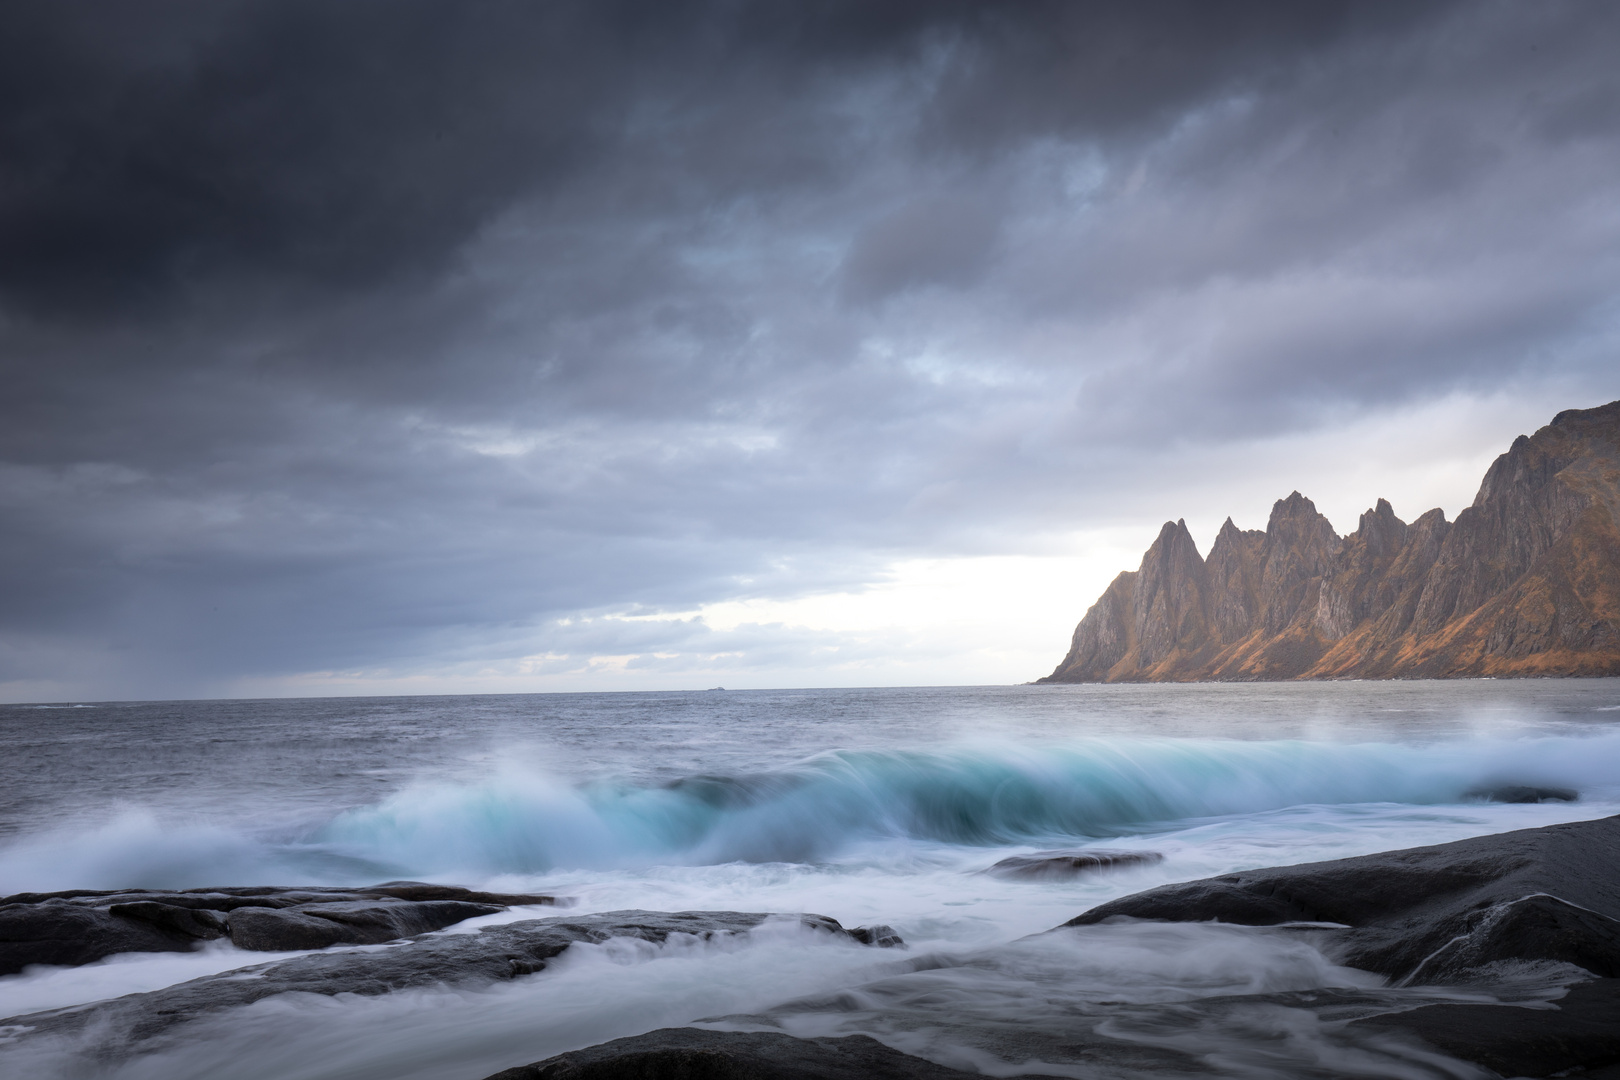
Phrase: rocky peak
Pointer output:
(1232, 581)
(1231, 537)
(1358, 585)
(1168, 599)
(1300, 545)
(1172, 559)
(1423, 540)
(1601, 424)
(1527, 464)
(1295, 521)
(1534, 460)
(1530, 497)
(1430, 525)
(1381, 531)
(1173, 545)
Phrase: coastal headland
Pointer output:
(1525, 582)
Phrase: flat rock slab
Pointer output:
(318, 926)
(1519, 793)
(489, 955)
(227, 899)
(1056, 865)
(62, 934)
(80, 926)
(1580, 1035)
(1430, 915)
(695, 1054)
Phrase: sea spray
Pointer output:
(827, 807)
(1132, 985)
(983, 794)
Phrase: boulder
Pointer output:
(1055, 865)
(879, 934)
(1519, 793)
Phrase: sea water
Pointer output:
(871, 806)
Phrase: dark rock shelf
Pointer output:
(1051, 865)
(490, 955)
(696, 1054)
(1430, 914)
(80, 926)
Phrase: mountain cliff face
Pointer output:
(1526, 581)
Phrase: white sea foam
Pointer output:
(43, 987)
(826, 809)
(894, 832)
(941, 999)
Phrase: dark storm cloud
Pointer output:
(365, 334)
(333, 145)
(313, 144)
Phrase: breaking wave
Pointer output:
(968, 794)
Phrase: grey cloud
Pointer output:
(934, 240)
(372, 335)
(330, 146)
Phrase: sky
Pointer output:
(453, 346)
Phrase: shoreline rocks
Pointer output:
(1472, 912)
(488, 955)
(80, 926)
(1531, 916)
(1429, 914)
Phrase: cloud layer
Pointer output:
(417, 337)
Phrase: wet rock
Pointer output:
(1432, 914)
(59, 933)
(695, 1054)
(1054, 865)
(79, 926)
(879, 934)
(1579, 1036)
(227, 899)
(1521, 794)
(1227, 900)
(1536, 927)
(882, 936)
(198, 923)
(420, 890)
(489, 955)
(317, 926)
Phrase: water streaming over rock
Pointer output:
(868, 806)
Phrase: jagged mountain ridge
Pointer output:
(1525, 582)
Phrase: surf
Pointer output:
(971, 794)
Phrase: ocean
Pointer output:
(877, 806)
